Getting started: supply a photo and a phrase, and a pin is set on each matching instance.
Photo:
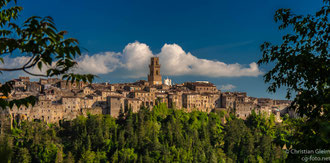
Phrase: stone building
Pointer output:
(106, 93)
(191, 101)
(34, 87)
(133, 103)
(62, 100)
(87, 102)
(88, 90)
(244, 109)
(71, 104)
(132, 88)
(265, 101)
(147, 98)
(46, 110)
(228, 100)
(154, 77)
(202, 87)
(175, 100)
(116, 105)
(214, 99)
(161, 98)
(196, 101)
(19, 85)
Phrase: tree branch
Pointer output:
(29, 61)
(30, 73)
(21, 68)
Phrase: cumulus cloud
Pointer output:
(176, 61)
(227, 87)
(136, 59)
(136, 56)
(102, 63)
(17, 62)
(133, 62)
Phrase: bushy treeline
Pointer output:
(157, 135)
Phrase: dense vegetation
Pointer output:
(157, 135)
(302, 65)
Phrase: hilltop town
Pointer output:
(62, 100)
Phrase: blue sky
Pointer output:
(215, 30)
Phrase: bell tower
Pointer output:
(154, 77)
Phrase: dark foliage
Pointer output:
(160, 135)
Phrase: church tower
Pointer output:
(154, 77)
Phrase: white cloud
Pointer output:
(227, 87)
(136, 57)
(134, 60)
(175, 61)
(102, 63)
(16, 63)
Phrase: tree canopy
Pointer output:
(302, 61)
(38, 39)
(159, 134)
(302, 65)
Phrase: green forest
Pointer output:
(159, 134)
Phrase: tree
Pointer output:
(6, 149)
(302, 64)
(69, 158)
(236, 133)
(39, 40)
(261, 122)
(22, 156)
(302, 60)
(127, 155)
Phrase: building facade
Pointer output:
(62, 100)
(154, 77)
